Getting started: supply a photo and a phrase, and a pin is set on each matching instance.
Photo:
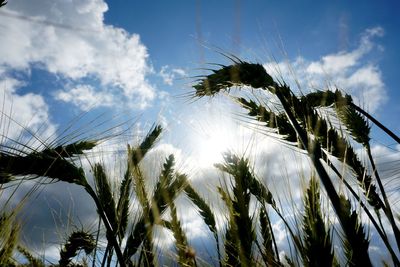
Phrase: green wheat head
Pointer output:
(77, 241)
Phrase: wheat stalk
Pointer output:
(346, 154)
(350, 115)
(294, 112)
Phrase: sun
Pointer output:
(211, 141)
(210, 149)
(213, 131)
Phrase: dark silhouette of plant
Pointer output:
(318, 249)
(299, 121)
(249, 237)
(78, 240)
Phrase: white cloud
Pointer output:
(170, 75)
(69, 38)
(24, 118)
(337, 63)
(346, 70)
(85, 97)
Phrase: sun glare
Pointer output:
(215, 130)
(211, 140)
(211, 148)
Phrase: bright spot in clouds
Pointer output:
(104, 65)
(214, 131)
(210, 148)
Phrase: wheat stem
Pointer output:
(376, 122)
(111, 236)
(387, 209)
(315, 153)
(380, 230)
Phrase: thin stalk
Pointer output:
(387, 209)
(272, 234)
(372, 219)
(103, 262)
(140, 258)
(110, 255)
(97, 242)
(315, 153)
(263, 255)
(110, 232)
(376, 122)
(296, 240)
(218, 250)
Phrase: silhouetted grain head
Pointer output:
(203, 208)
(239, 74)
(71, 150)
(78, 240)
(355, 243)
(123, 204)
(181, 242)
(317, 250)
(334, 142)
(134, 240)
(353, 120)
(240, 222)
(163, 193)
(270, 118)
(9, 237)
(105, 194)
(40, 164)
(138, 153)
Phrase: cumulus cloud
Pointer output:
(169, 74)
(24, 117)
(85, 97)
(346, 70)
(343, 60)
(70, 39)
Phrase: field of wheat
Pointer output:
(344, 199)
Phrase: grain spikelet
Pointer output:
(78, 240)
(238, 74)
(317, 243)
(240, 224)
(105, 194)
(181, 243)
(138, 153)
(356, 244)
(33, 261)
(40, 164)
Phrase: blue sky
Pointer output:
(175, 36)
(136, 58)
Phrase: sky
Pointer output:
(65, 63)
